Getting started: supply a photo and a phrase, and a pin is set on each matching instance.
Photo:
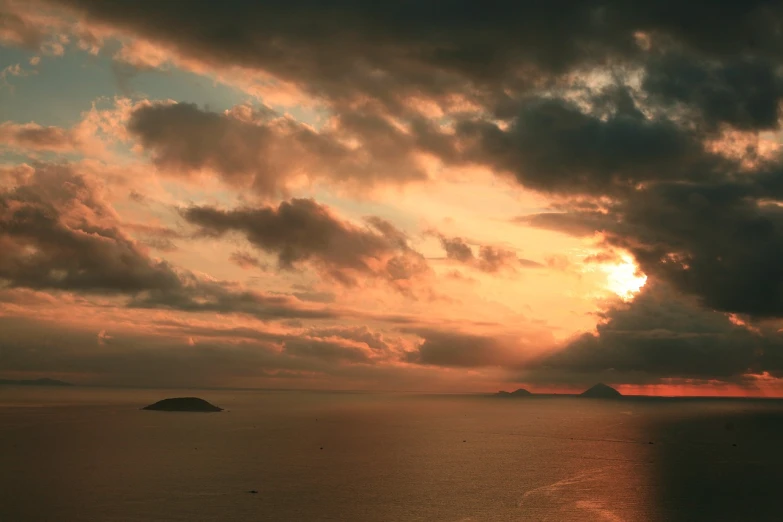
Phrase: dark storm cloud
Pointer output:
(301, 230)
(553, 146)
(490, 259)
(263, 151)
(744, 93)
(387, 51)
(661, 334)
(390, 50)
(717, 241)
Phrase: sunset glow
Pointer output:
(216, 196)
(624, 279)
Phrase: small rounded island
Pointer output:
(183, 404)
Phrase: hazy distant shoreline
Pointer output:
(55, 383)
(34, 382)
(625, 398)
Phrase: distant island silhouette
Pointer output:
(183, 404)
(601, 391)
(34, 382)
(521, 392)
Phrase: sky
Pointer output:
(445, 196)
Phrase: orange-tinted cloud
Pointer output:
(301, 230)
(266, 152)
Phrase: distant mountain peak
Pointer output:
(601, 391)
(521, 392)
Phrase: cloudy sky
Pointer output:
(445, 196)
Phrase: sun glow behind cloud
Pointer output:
(624, 279)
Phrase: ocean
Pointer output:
(90, 454)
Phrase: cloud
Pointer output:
(552, 145)
(325, 350)
(93, 136)
(263, 151)
(490, 259)
(663, 335)
(714, 240)
(457, 349)
(148, 348)
(143, 359)
(360, 334)
(247, 261)
(381, 53)
(302, 231)
(621, 113)
(18, 30)
(389, 54)
(197, 295)
(34, 26)
(158, 237)
(57, 232)
(306, 294)
(578, 223)
(743, 93)
(456, 249)
(36, 137)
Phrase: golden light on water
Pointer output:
(624, 279)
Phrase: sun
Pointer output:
(624, 279)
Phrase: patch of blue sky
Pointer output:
(60, 88)
(183, 86)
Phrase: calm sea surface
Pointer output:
(89, 454)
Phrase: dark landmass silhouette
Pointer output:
(518, 393)
(35, 382)
(604, 391)
(183, 404)
(601, 391)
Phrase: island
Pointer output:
(518, 393)
(193, 404)
(34, 382)
(601, 391)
